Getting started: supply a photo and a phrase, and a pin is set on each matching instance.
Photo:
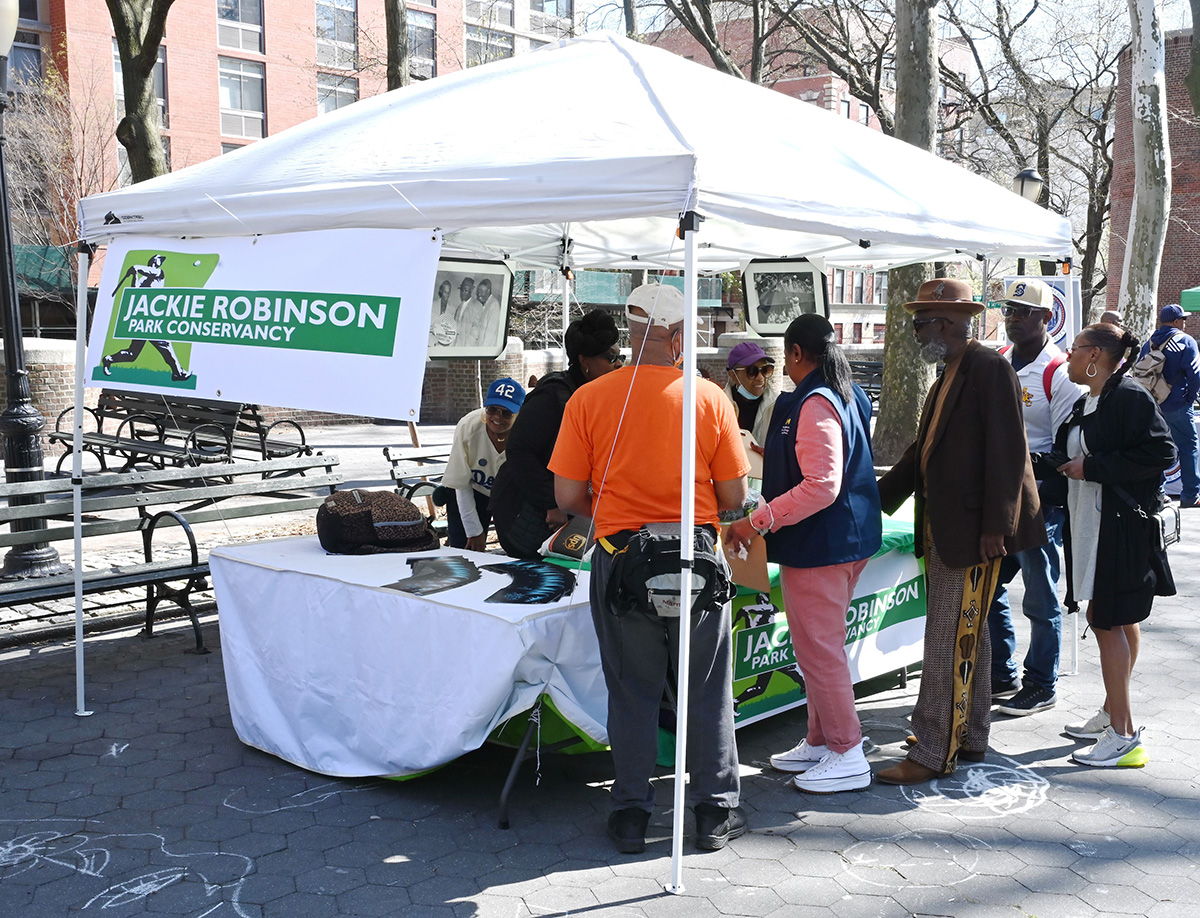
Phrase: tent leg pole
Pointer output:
(81, 308)
(687, 515)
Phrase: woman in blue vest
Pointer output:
(822, 522)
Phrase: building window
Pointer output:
(879, 333)
(337, 34)
(334, 92)
(858, 286)
(490, 12)
(422, 45)
(809, 69)
(845, 108)
(160, 83)
(837, 332)
(856, 334)
(564, 9)
(839, 285)
(240, 25)
(484, 45)
(230, 147)
(864, 113)
(881, 280)
(243, 98)
(28, 9)
(25, 58)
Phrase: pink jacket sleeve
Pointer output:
(819, 452)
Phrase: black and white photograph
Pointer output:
(470, 309)
(779, 291)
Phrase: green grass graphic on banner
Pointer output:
(126, 357)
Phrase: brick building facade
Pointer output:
(1181, 253)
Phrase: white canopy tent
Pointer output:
(586, 154)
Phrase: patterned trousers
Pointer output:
(954, 705)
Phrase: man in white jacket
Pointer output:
(1047, 396)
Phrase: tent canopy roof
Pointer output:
(502, 160)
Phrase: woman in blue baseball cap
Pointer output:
(476, 454)
(752, 388)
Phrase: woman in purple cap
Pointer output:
(752, 388)
(476, 454)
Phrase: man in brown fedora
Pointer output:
(976, 501)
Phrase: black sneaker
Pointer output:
(1005, 689)
(716, 825)
(628, 829)
(1030, 700)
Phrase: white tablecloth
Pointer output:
(329, 671)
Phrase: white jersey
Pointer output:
(473, 460)
(1043, 416)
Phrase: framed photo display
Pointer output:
(778, 291)
(469, 317)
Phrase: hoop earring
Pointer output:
(1091, 371)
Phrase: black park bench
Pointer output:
(151, 503)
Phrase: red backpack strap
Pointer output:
(1006, 349)
(1048, 375)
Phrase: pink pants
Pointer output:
(815, 600)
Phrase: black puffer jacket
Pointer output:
(1130, 445)
(524, 486)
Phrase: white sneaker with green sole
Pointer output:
(1113, 750)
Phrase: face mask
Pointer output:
(747, 394)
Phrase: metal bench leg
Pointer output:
(156, 593)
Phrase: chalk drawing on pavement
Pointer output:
(929, 859)
(980, 791)
(217, 877)
(285, 796)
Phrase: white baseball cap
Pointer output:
(662, 303)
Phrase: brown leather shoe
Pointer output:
(906, 772)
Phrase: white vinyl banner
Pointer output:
(333, 321)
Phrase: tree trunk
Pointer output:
(906, 376)
(396, 18)
(1151, 205)
(631, 26)
(138, 26)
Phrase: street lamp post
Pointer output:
(1028, 184)
(21, 424)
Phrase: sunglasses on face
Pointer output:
(919, 323)
(1021, 312)
(617, 358)
(497, 411)
(767, 371)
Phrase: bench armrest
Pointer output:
(58, 422)
(152, 523)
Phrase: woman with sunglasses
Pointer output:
(476, 455)
(752, 388)
(1112, 450)
(822, 522)
(523, 504)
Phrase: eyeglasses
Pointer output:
(497, 411)
(767, 371)
(918, 323)
(1021, 312)
(618, 357)
(1080, 347)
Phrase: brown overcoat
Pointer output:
(979, 478)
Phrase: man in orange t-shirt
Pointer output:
(620, 441)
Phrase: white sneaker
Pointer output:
(799, 758)
(1092, 729)
(1113, 749)
(837, 771)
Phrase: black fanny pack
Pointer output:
(647, 571)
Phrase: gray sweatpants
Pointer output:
(635, 651)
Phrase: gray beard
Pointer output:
(934, 351)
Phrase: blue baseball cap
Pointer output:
(1172, 313)
(505, 392)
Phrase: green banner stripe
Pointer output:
(291, 319)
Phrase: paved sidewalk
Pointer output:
(152, 805)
